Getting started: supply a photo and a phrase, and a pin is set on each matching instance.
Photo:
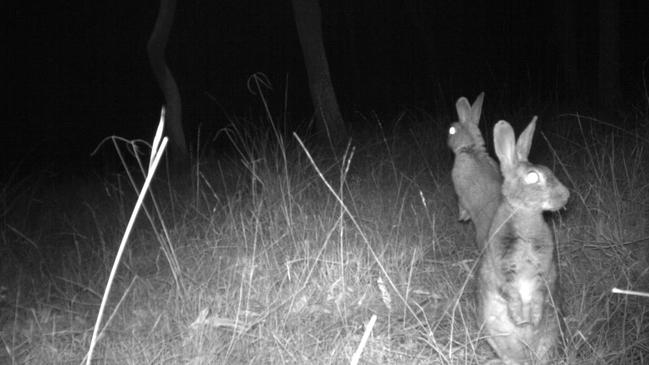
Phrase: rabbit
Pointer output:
(475, 174)
(517, 277)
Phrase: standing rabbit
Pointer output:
(476, 178)
(517, 284)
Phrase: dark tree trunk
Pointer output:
(156, 51)
(609, 53)
(327, 116)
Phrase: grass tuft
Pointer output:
(285, 258)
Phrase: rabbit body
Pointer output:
(518, 290)
(517, 284)
(475, 174)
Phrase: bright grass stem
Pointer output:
(157, 150)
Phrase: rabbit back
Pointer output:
(477, 183)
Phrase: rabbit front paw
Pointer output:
(516, 312)
(464, 214)
(515, 307)
(536, 309)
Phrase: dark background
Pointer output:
(77, 71)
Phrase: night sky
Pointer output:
(78, 71)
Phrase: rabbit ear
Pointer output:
(476, 109)
(524, 142)
(463, 109)
(505, 145)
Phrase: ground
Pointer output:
(264, 256)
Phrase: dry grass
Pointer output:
(272, 269)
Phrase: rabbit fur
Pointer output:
(517, 282)
(475, 174)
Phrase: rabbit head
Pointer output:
(465, 132)
(526, 186)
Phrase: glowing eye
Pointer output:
(532, 177)
(452, 131)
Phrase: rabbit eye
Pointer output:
(532, 177)
(452, 131)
